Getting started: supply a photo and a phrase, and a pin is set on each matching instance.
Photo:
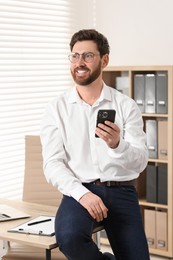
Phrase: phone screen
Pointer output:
(105, 115)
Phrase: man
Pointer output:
(97, 175)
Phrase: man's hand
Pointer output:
(94, 205)
(110, 133)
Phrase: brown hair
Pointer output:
(91, 35)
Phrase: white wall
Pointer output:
(140, 32)
(85, 14)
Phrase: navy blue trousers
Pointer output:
(124, 228)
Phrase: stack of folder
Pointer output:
(157, 138)
(151, 92)
(156, 184)
(156, 223)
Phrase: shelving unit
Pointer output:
(110, 76)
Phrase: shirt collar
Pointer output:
(74, 96)
(105, 94)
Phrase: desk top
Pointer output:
(34, 210)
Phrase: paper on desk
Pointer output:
(42, 229)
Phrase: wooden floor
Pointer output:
(103, 249)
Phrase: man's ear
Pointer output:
(105, 60)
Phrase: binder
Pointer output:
(150, 227)
(163, 139)
(162, 184)
(161, 92)
(139, 91)
(161, 230)
(150, 93)
(151, 131)
(151, 187)
(42, 226)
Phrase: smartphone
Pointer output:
(105, 115)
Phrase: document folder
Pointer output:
(163, 139)
(152, 183)
(151, 131)
(161, 92)
(42, 225)
(150, 93)
(161, 231)
(150, 227)
(139, 91)
(162, 184)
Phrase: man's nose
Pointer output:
(81, 59)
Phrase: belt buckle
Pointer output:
(108, 183)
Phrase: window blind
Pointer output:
(34, 44)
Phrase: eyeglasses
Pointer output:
(86, 56)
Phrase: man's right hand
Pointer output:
(94, 205)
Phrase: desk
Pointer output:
(34, 210)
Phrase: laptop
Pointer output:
(10, 213)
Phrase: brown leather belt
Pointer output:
(114, 183)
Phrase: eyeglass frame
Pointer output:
(84, 55)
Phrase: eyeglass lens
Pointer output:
(86, 56)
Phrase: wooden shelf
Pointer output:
(110, 76)
(155, 115)
(145, 203)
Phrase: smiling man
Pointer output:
(95, 167)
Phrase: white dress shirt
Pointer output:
(71, 152)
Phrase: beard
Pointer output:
(82, 81)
